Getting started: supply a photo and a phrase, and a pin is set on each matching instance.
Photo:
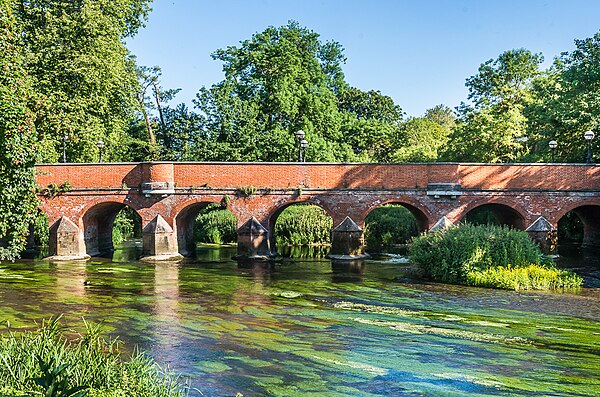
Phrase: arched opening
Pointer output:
(580, 228)
(391, 226)
(109, 225)
(301, 230)
(204, 222)
(495, 214)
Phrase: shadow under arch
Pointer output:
(98, 222)
(276, 212)
(494, 213)
(184, 224)
(586, 222)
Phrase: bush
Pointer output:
(487, 255)
(389, 225)
(215, 225)
(126, 224)
(90, 362)
(303, 224)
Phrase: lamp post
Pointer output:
(589, 135)
(64, 142)
(302, 144)
(100, 145)
(553, 145)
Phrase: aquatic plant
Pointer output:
(489, 256)
(45, 361)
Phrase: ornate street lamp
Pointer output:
(100, 145)
(302, 144)
(64, 142)
(589, 135)
(553, 145)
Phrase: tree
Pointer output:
(18, 148)
(489, 130)
(567, 102)
(77, 60)
(420, 139)
(278, 82)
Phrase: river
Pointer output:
(307, 327)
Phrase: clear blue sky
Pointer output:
(418, 52)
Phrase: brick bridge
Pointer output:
(168, 197)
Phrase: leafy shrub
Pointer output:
(90, 362)
(127, 225)
(389, 225)
(303, 224)
(215, 225)
(487, 255)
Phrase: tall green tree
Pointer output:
(78, 62)
(567, 102)
(489, 129)
(280, 81)
(18, 147)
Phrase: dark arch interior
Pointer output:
(393, 224)
(495, 214)
(206, 222)
(580, 226)
(300, 224)
(98, 224)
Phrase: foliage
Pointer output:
(389, 225)
(303, 224)
(280, 81)
(215, 225)
(33, 360)
(420, 139)
(18, 141)
(54, 190)
(247, 191)
(489, 129)
(450, 255)
(567, 102)
(127, 225)
(523, 278)
(78, 63)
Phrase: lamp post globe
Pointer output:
(100, 145)
(553, 145)
(589, 135)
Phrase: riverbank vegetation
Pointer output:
(44, 362)
(487, 256)
(389, 225)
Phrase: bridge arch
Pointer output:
(504, 212)
(423, 217)
(184, 215)
(98, 221)
(586, 221)
(276, 211)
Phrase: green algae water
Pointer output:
(310, 327)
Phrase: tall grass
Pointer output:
(89, 361)
(303, 224)
(487, 255)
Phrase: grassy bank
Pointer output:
(488, 256)
(45, 363)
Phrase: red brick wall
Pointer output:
(324, 176)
